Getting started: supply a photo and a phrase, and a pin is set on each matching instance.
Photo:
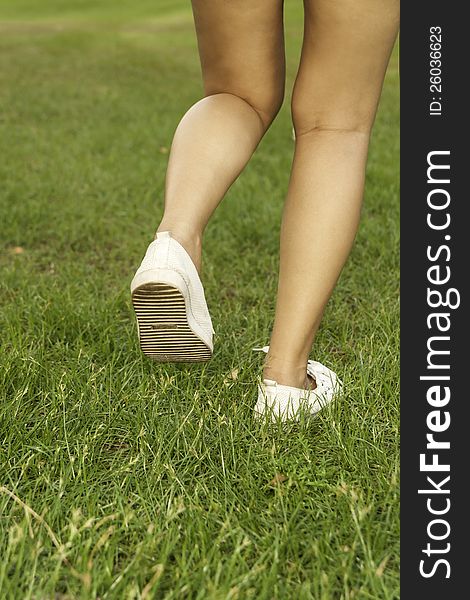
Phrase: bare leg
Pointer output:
(241, 46)
(346, 49)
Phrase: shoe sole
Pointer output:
(164, 331)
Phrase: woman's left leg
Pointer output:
(241, 46)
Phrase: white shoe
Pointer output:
(286, 402)
(173, 320)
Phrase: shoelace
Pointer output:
(263, 349)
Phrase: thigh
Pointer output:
(241, 46)
(346, 49)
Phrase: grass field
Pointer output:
(123, 478)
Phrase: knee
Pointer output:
(266, 103)
(311, 113)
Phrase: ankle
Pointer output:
(190, 240)
(294, 377)
(288, 369)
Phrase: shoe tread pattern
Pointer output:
(164, 331)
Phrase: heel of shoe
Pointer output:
(160, 275)
(168, 331)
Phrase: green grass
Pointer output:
(153, 478)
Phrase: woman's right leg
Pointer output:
(241, 46)
(346, 48)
